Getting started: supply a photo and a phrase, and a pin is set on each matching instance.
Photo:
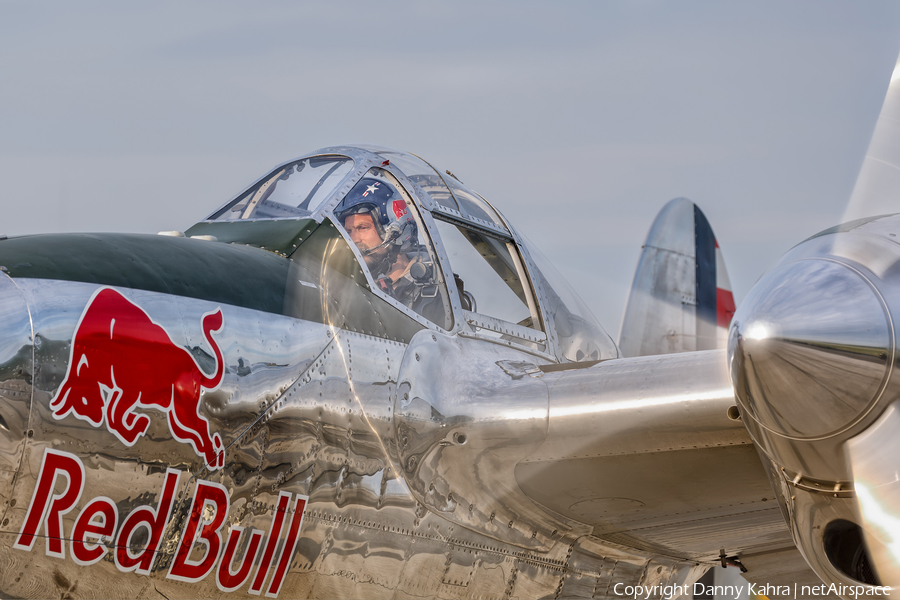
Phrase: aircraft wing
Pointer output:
(517, 451)
(669, 470)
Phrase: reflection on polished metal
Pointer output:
(456, 436)
(260, 415)
(811, 348)
(609, 451)
(812, 352)
(16, 383)
(878, 490)
(368, 451)
(680, 299)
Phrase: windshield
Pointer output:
(292, 191)
(580, 335)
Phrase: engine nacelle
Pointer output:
(812, 352)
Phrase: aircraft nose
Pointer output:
(811, 352)
(809, 348)
(16, 379)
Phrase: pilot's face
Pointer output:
(363, 233)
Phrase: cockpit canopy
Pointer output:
(294, 190)
(431, 246)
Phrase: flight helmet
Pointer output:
(393, 220)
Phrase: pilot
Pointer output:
(379, 222)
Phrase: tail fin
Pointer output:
(681, 298)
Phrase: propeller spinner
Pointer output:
(812, 350)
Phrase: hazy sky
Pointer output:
(578, 120)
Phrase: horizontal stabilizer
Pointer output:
(681, 298)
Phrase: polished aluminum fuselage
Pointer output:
(405, 449)
(191, 418)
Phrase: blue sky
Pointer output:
(578, 120)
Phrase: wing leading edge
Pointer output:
(648, 452)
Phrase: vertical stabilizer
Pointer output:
(681, 298)
(877, 186)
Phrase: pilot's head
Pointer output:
(362, 230)
(378, 221)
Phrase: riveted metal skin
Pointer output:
(600, 461)
(812, 352)
(308, 409)
(16, 384)
(339, 445)
(459, 425)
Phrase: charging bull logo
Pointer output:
(121, 360)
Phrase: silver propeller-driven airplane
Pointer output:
(356, 379)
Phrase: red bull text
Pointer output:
(121, 359)
(99, 529)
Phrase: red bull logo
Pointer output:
(122, 360)
(234, 554)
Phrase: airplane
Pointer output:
(357, 379)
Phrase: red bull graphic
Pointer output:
(98, 530)
(399, 208)
(121, 360)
